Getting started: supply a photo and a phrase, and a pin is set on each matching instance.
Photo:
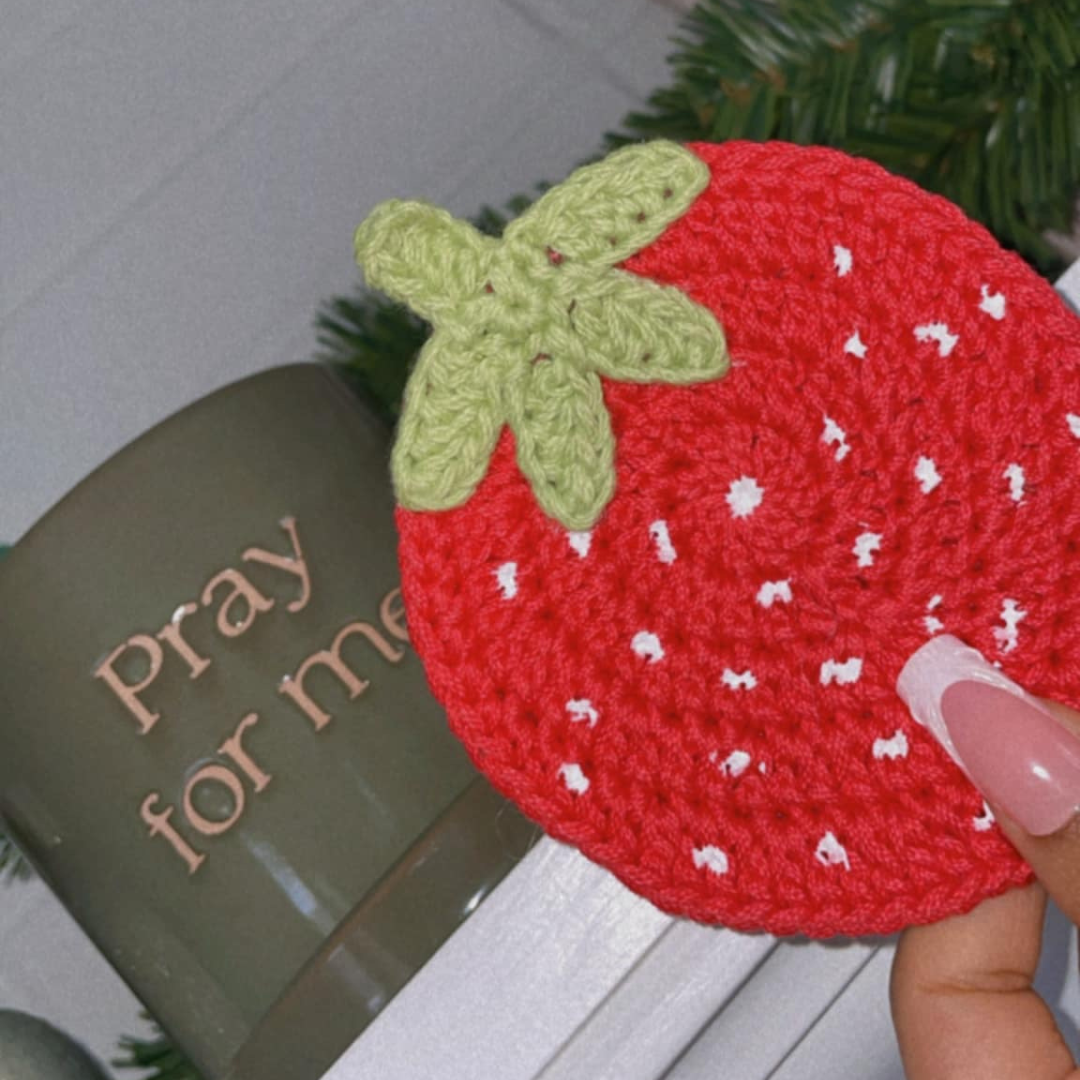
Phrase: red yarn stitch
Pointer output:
(759, 249)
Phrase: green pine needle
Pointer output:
(373, 343)
(156, 1054)
(492, 221)
(13, 864)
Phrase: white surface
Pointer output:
(179, 184)
(563, 974)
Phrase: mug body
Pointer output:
(216, 744)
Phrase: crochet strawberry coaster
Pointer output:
(698, 454)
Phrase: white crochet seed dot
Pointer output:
(1008, 636)
(855, 346)
(992, 303)
(830, 852)
(932, 623)
(665, 551)
(580, 542)
(647, 646)
(1014, 473)
(865, 546)
(744, 496)
(575, 780)
(842, 260)
(986, 820)
(507, 578)
(582, 709)
(927, 475)
(735, 764)
(711, 858)
(841, 672)
(939, 332)
(834, 433)
(772, 591)
(1074, 424)
(738, 680)
(896, 747)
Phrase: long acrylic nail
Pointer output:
(1011, 747)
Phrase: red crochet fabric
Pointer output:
(700, 693)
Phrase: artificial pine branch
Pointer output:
(372, 342)
(156, 1054)
(979, 102)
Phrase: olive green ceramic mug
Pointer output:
(216, 744)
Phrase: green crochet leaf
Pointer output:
(524, 326)
(449, 425)
(637, 330)
(565, 446)
(421, 255)
(605, 212)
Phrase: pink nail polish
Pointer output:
(1013, 749)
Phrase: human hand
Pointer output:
(962, 996)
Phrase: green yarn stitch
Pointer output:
(525, 326)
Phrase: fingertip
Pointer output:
(1021, 755)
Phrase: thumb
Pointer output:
(1022, 753)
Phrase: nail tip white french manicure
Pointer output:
(932, 669)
